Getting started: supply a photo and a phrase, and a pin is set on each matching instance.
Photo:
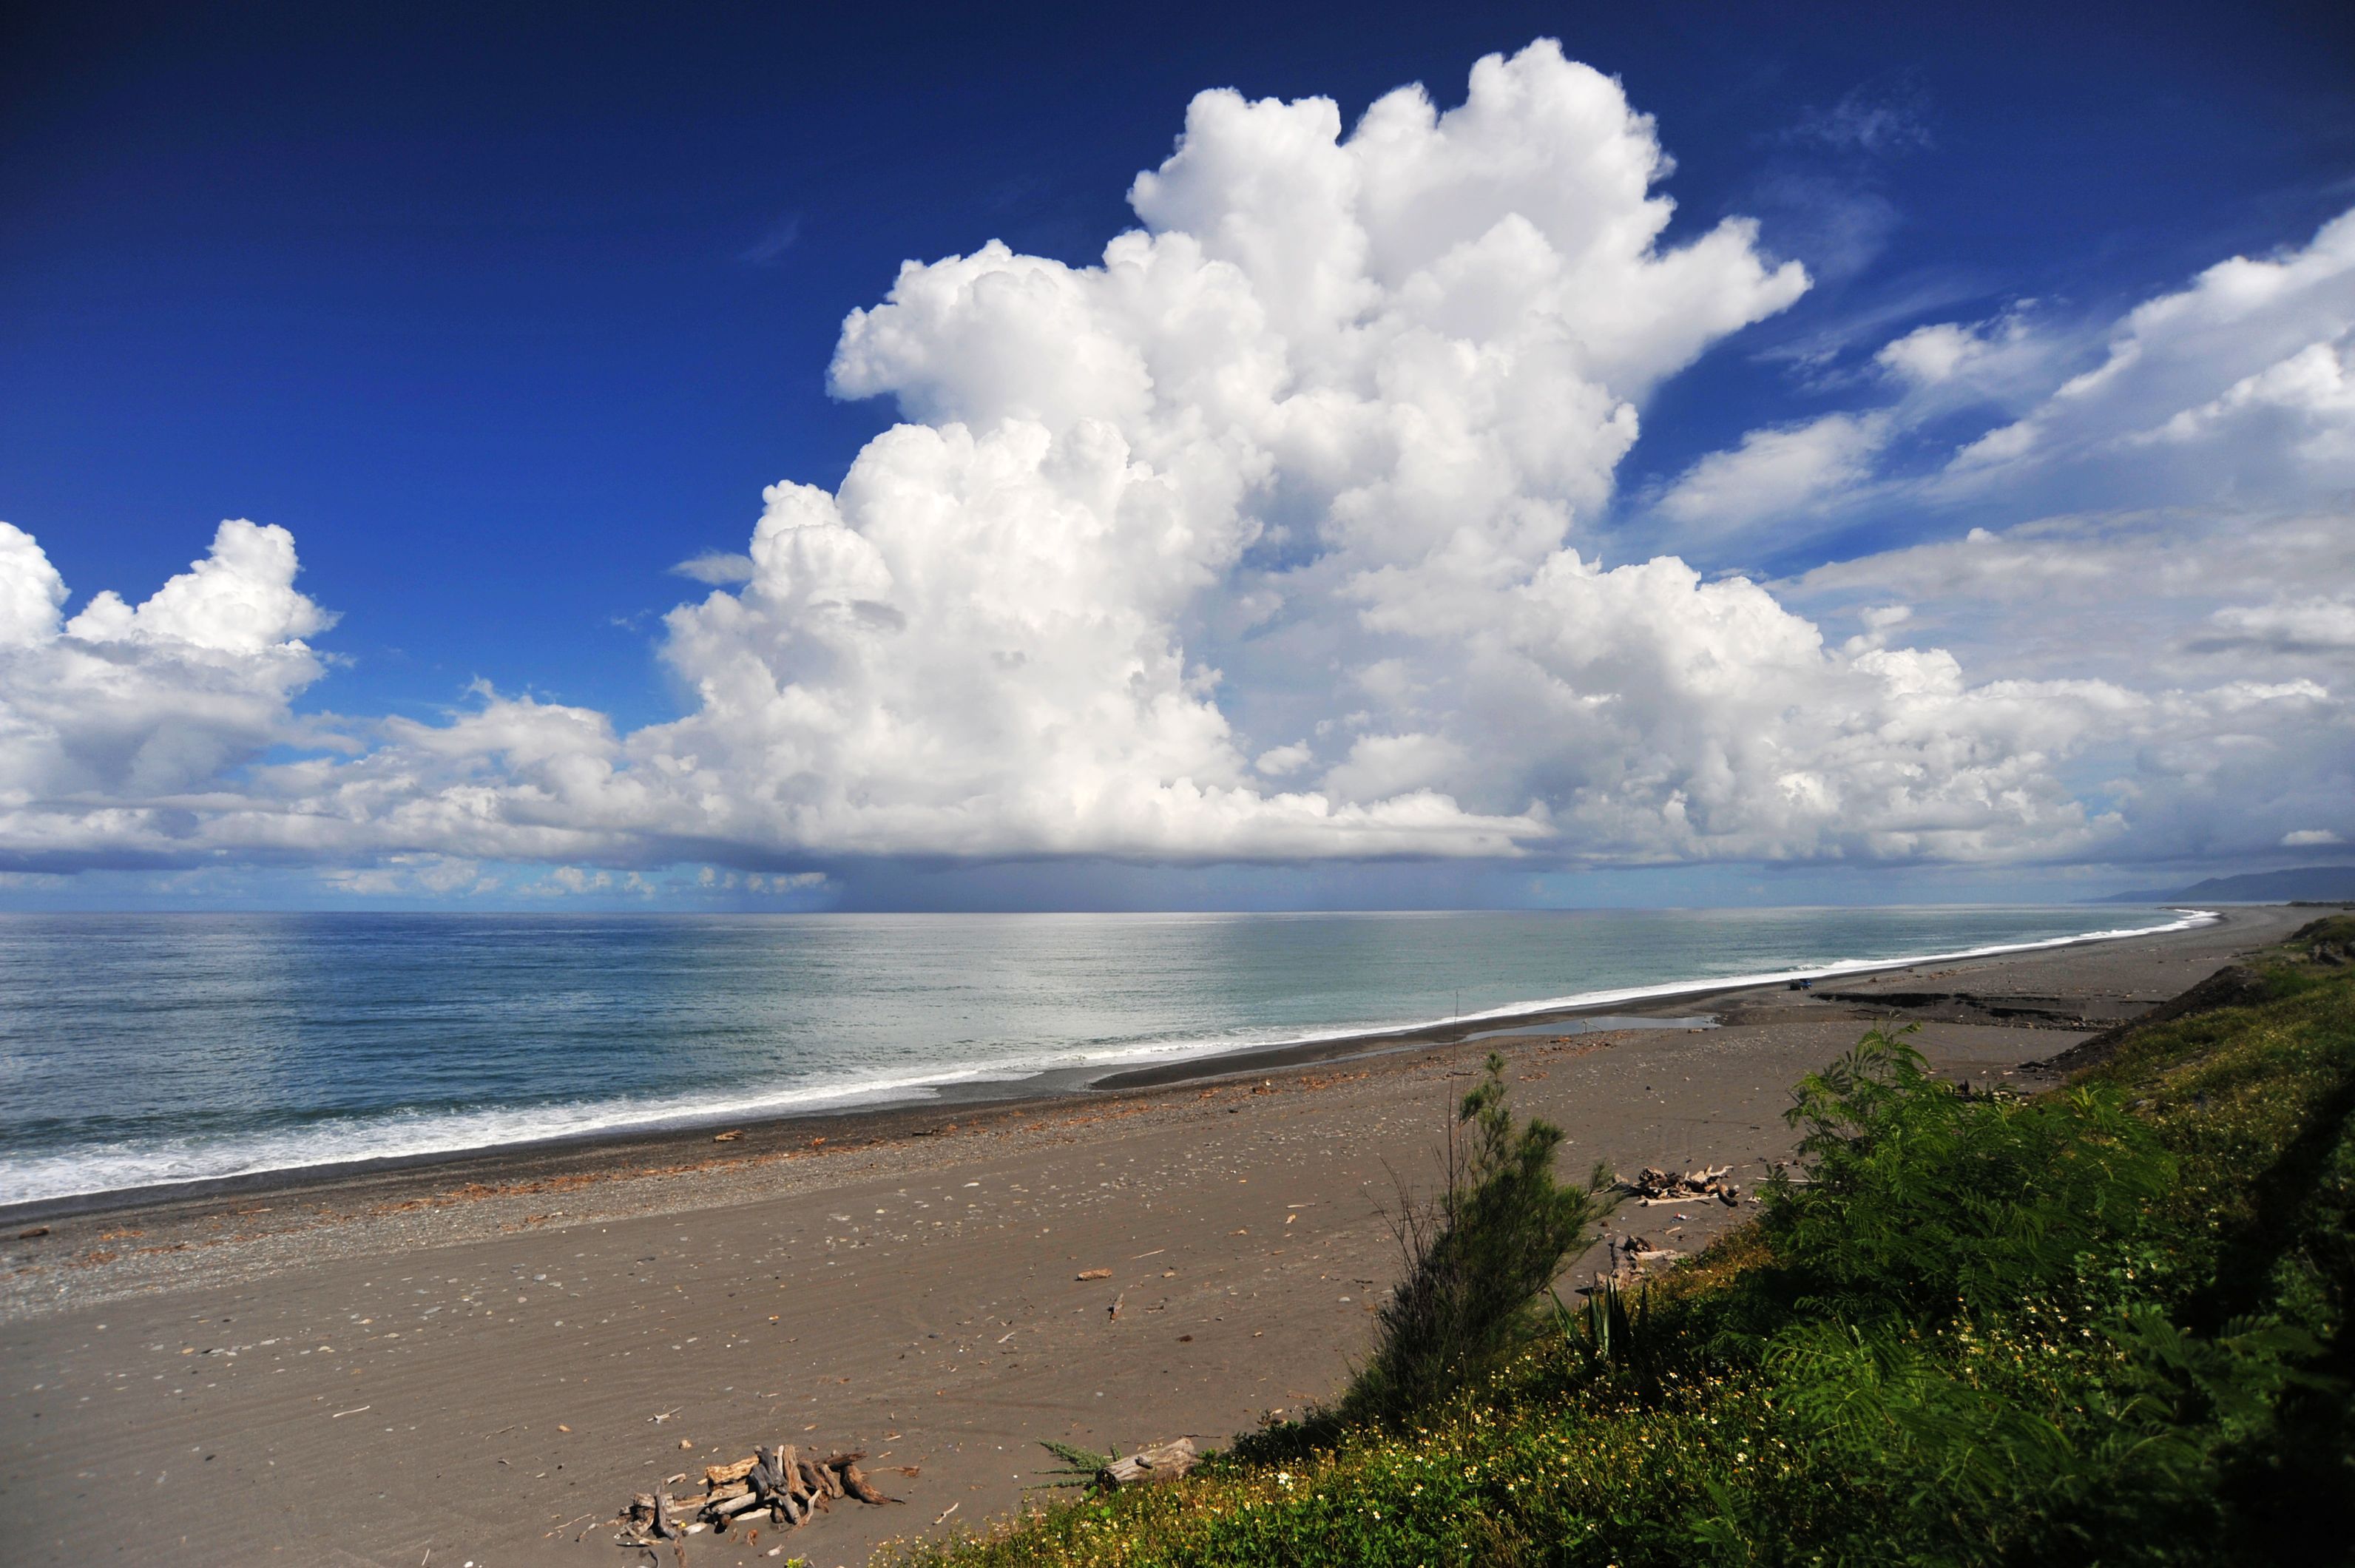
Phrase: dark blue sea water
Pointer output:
(142, 1048)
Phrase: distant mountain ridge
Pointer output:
(2325, 883)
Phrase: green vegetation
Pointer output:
(1477, 1258)
(2109, 1324)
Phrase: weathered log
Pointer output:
(829, 1470)
(720, 1475)
(785, 1471)
(754, 1512)
(815, 1484)
(1162, 1461)
(776, 1479)
(647, 1521)
(855, 1482)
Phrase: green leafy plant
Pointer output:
(1080, 1466)
(1477, 1256)
(1922, 1200)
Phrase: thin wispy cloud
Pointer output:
(715, 567)
(775, 241)
(1882, 120)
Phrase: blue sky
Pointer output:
(500, 321)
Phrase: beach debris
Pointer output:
(1630, 1257)
(773, 1485)
(1094, 1274)
(1162, 1461)
(26, 1236)
(729, 1136)
(1109, 1471)
(1655, 1187)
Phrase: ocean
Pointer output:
(138, 1050)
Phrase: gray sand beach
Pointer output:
(481, 1360)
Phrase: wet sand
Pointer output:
(482, 1360)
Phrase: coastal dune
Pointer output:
(482, 1359)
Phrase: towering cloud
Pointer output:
(1313, 468)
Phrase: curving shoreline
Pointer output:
(881, 1112)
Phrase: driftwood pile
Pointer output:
(1654, 1187)
(1630, 1255)
(775, 1486)
(1634, 1254)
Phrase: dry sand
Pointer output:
(480, 1361)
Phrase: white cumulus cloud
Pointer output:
(125, 708)
(2241, 372)
(1277, 534)
(1775, 473)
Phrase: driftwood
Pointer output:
(1162, 1461)
(1629, 1259)
(647, 1521)
(1658, 1187)
(775, 1484)
(855, 1482)
(1637, 1250)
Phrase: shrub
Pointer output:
(1477, 1256)
(1920, 1199)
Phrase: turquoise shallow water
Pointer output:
(144, 1048)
